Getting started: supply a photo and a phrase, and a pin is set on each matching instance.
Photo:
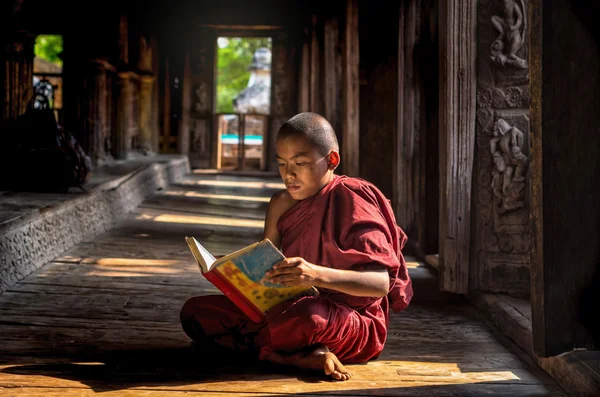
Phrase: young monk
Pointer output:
(339, 235)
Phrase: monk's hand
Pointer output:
(292, 272)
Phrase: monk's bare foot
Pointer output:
(320, 359)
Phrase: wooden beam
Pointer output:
(457, 139)
(350, 110)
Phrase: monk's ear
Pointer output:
(333, 160)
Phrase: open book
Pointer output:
(240, 276)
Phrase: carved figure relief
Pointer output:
(511, 29)
(510, 165)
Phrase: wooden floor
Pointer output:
(103, 318)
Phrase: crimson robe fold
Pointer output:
(350, 225)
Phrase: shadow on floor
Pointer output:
(184, 370)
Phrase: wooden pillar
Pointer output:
(88, 116)
(565, 255)
(155, 113)
(97, 111)
(283, 88)
(164, 78)
(332, 70)
(16, 75)
(315, 67)
(204, 149)
(406, 147)
(145, 115)
(457, 138)
(350, 87)
(304, 78)
(183, 136)
(123, 139)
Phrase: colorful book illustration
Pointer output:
(240, 276)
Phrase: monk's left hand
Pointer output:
(292, 272)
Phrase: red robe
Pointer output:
(346, 225)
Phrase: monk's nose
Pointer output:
(289, 173)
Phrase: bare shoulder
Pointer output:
(280, 202)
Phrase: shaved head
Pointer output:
(314, 128)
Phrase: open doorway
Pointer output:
(47, 74)
(243, 102)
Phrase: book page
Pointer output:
(203, 256)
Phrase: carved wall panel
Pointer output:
(500, 246)
(26, 245)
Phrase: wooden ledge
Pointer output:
(577, 371)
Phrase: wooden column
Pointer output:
(155, 114)
(283, 88)
(183, 136)
(16, 75)
(332, 70)
(304, 79)
(122, 139)
(565, 255)
(97, 114)
(350, 87)
(406, 147)
(457, 138)
(88, 115)
(316, 88)
(203, 132)
(144, 109)
(164, 78)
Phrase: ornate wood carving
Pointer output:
(511, 26)
(500, 250)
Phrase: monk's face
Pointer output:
(303, 169)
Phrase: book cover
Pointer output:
(240, 274)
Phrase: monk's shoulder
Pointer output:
(280, 202)
(353, 189)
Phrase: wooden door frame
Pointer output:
(238, 31)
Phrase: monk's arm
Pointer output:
(372, 283)
(297, 271)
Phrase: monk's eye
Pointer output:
(301, 163)
(281, 165)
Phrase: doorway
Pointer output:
(243, 102)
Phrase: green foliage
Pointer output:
(49, 48)
(233, 60)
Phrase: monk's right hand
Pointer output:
(293, 272)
